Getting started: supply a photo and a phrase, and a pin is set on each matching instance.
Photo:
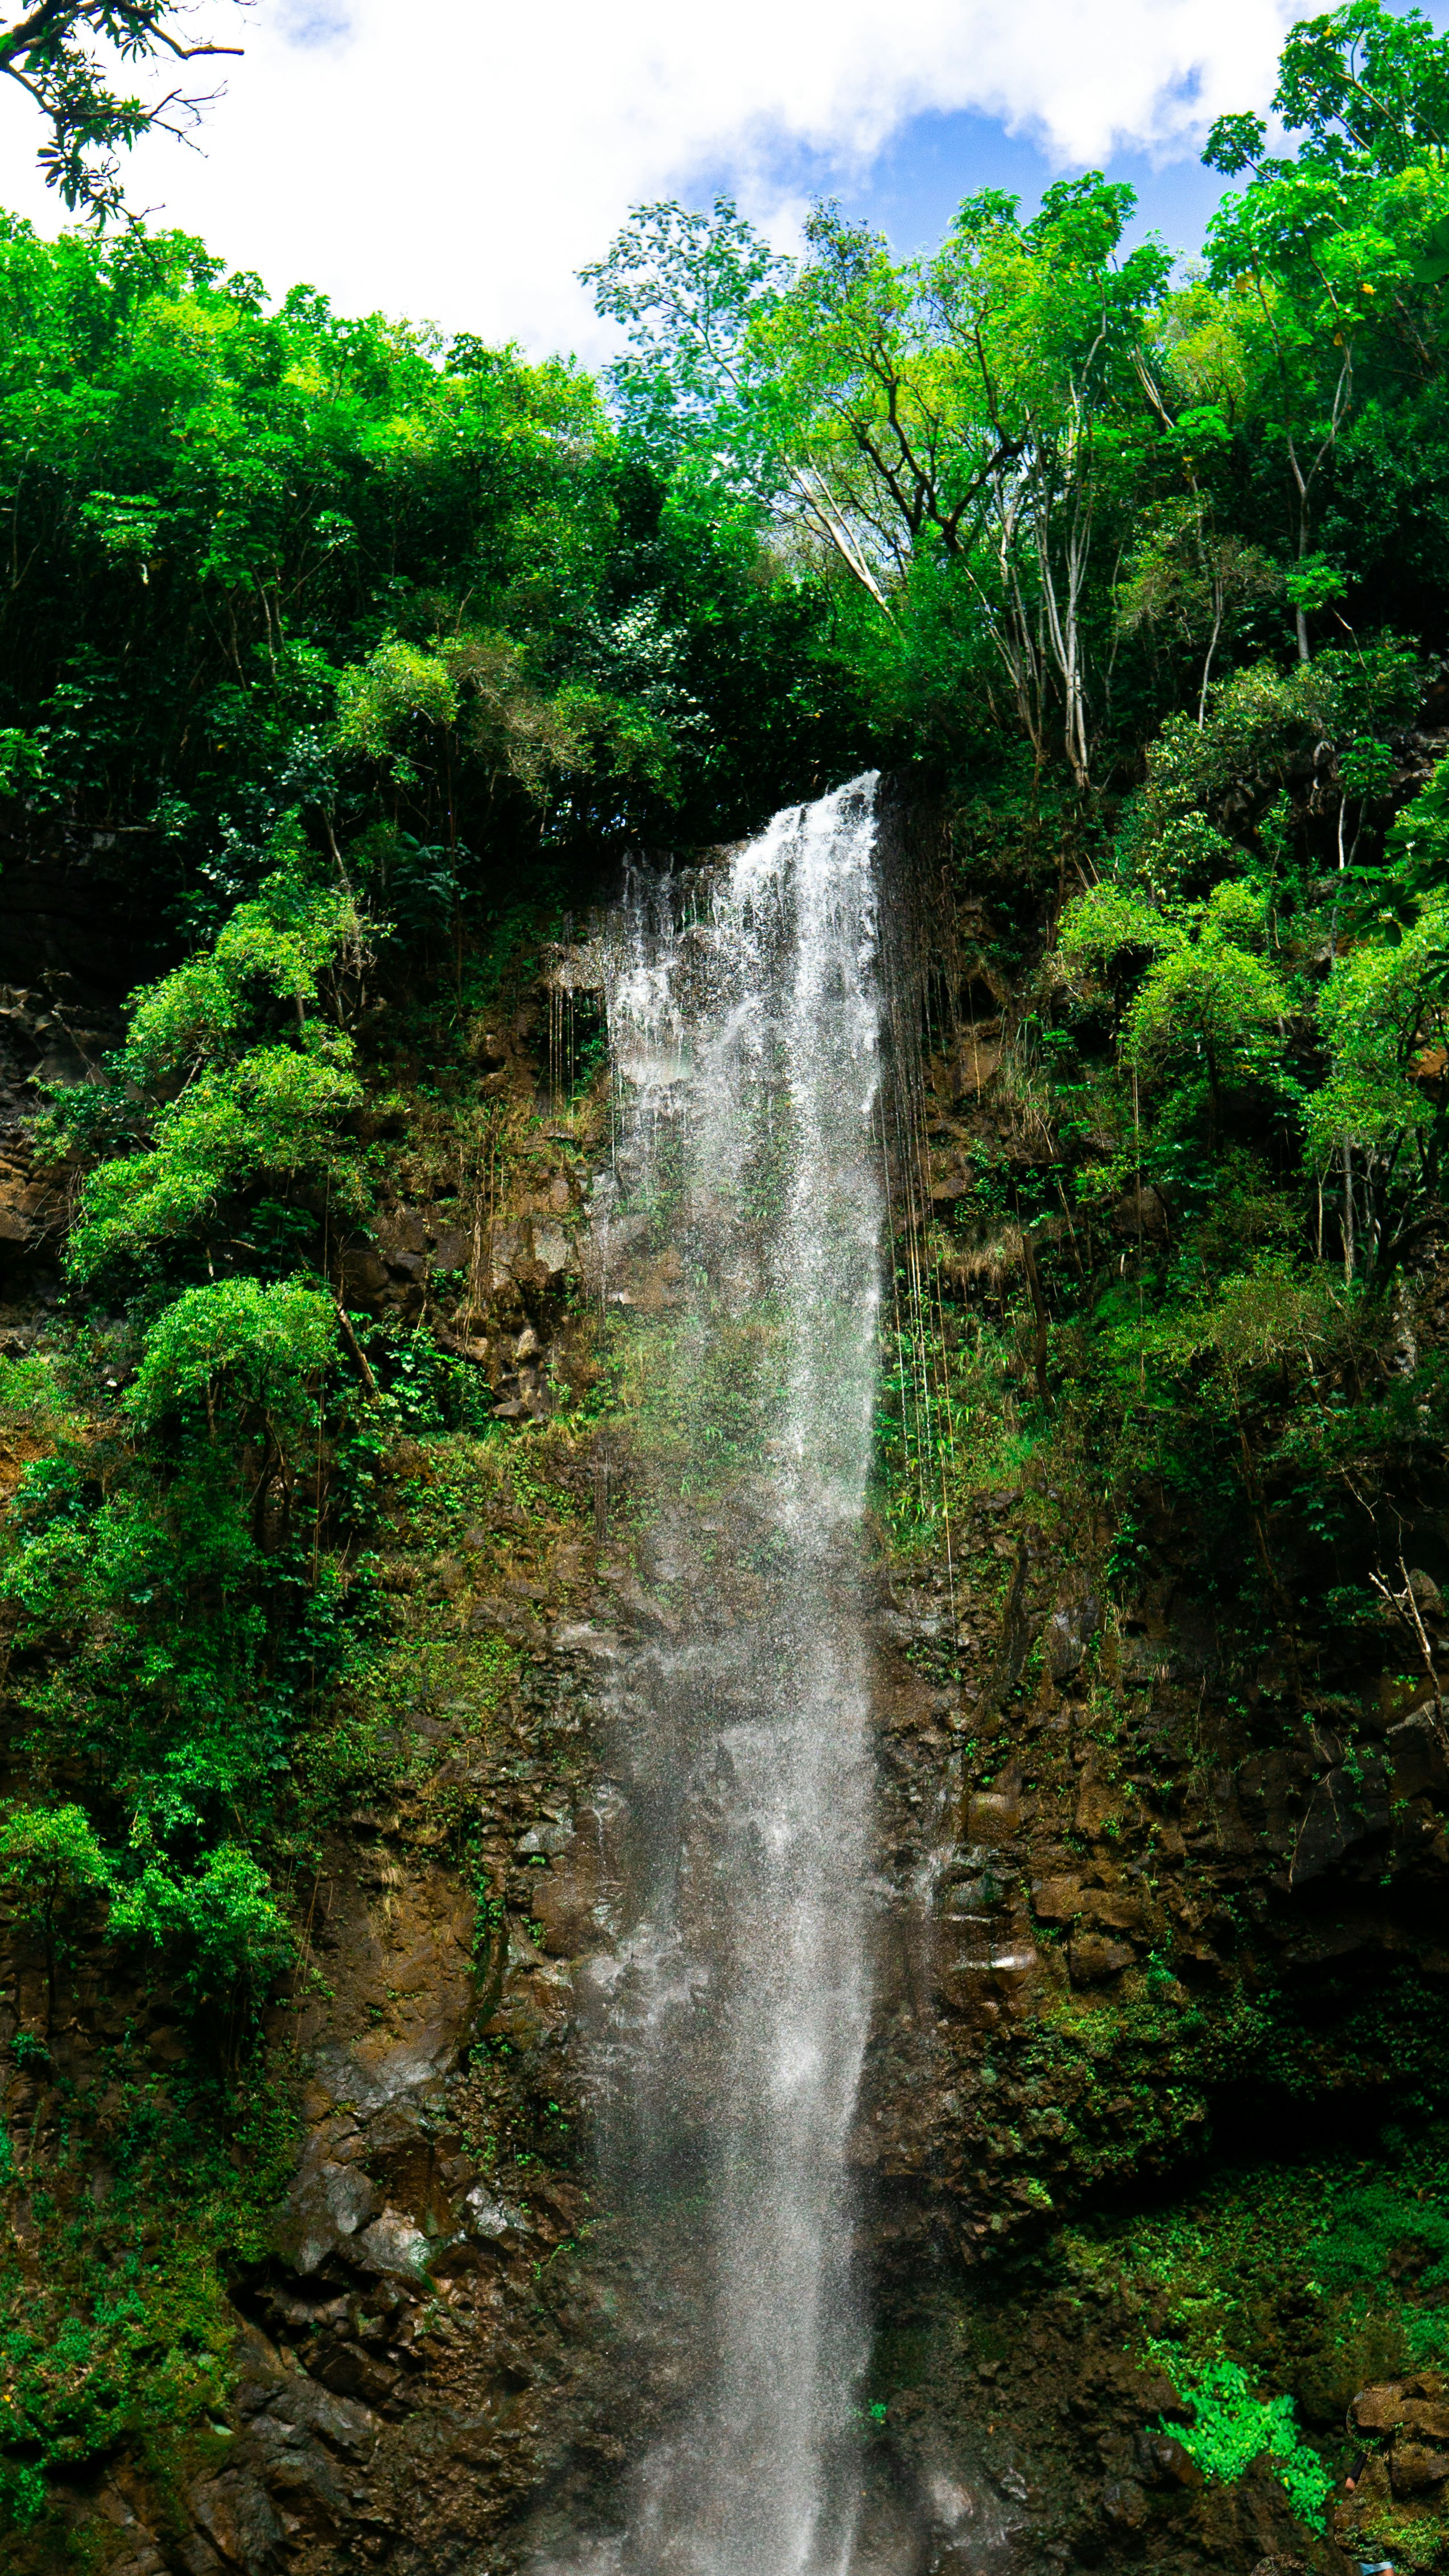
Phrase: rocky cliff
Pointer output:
(1160, 2035)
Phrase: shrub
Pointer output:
(225, 1921)
(52, 1864)
(1234, 2428)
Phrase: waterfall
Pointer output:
(738, 1246)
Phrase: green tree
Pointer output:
(1197, 580)
(1318, 254)
(222, 1921)
(271, 1111)
(48, 51)
(1382, 1113)
(53, 1867)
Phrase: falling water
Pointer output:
(738, 1237)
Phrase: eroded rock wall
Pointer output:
(1117, 1917)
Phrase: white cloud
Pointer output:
(462, 162)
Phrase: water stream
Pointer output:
(738, 1241)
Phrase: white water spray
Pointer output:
(740, 1226)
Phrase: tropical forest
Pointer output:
(724, 1379)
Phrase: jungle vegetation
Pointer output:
(350, 658)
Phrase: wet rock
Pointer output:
(1415, 2470)
(400, 1230)
(580, 1637)
(451, 1248)
(1124, 2504)
(392, 2244)
(552, 1249)
(351, 2372)
(505, 1251)
(300, 2406)
(993, 1815)
(324, 2210)
(1415, 1749)
(1057, 1900)
(549, 1839)
(1342, 1812)
(1380, 2408)
(380, 2068)
(1069, 1631)
(641, 1607)
(1164, 2462)
(1092, 1958)
(495, 1617)
(237, 2517)
(364, 1273)
(576, 1903)
(1113, 1909)
(1156, 2395)
(1098, 1804)
(490, 2218)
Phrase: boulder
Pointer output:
(992, 1816)
(1165, 2462)
(237, 2518)
(451, 1248)
(1155, 2395)
(392, 2244)
(1097, 1804)
(353, 2373)
(300, 2406)
(1380, 2408)
(1115, 1909)
(1056, 1900)
(323, 2211)
(1415, 2470)
(1124, 2504)
(1092, 1958)
(1342, 1812)
(1068, 1633)
(552, 1249)
(1415, 1749)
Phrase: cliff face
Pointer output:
(1159, 1987)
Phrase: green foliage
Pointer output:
(224, 1921)
(246, 1113)
(1109, 922)
(177, 1558)
(352, 662)
(397, 683)
(275, 1116)
(236, 1348)
(286, 946)
(1232, 2428)
(1387, 2222)
(389, 586)
(32, 1397)
(88, 120)
(115, 2328)
(52, 1867)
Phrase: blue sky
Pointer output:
(925, 171)
(467, 174)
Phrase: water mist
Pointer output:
(737, 1235)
